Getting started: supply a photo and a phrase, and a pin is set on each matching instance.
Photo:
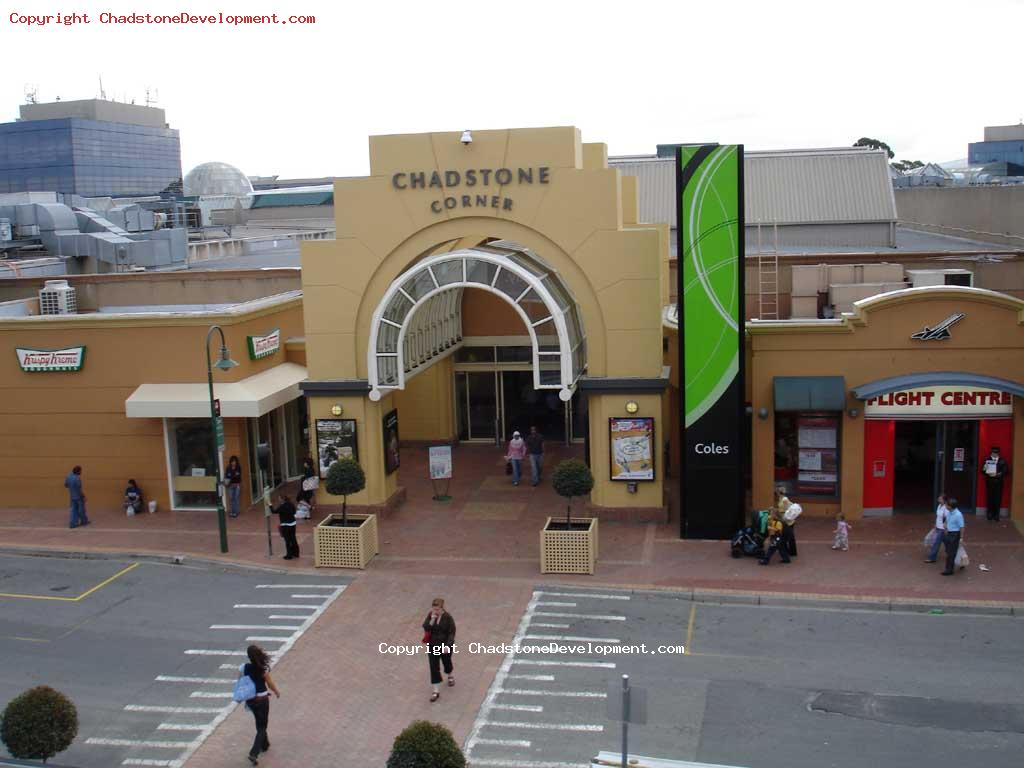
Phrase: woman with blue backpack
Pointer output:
(252, 688)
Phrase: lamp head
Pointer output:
(467, 138)
(225, 363)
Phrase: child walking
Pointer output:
(842, 532)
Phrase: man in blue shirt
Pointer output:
(73, 483)
(954, 528)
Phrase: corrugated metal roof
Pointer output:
(813, 186)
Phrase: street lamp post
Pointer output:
(224, 363)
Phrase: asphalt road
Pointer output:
(759, 687)
(148, 652)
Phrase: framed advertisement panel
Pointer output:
(335, 439)
(631, 449)
(390, 427)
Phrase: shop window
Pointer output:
(807, 453)
(469, 354)
(193, 467)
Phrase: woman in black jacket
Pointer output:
(439, 634)
(287, 527)
(308, 471)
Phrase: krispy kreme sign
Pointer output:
(264, 346)
(940, 403)
(51, 360)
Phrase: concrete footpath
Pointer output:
(342, 698)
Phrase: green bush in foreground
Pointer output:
(38, 724)
(426, 745)
(572, 478)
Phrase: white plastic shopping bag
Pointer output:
(961, 560)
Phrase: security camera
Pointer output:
(467, 138)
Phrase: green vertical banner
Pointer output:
(709, 188)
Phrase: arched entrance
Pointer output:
(418, 321)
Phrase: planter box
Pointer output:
(352, 546)
(572, 551)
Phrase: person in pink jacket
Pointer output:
(515, 454)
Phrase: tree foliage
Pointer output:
(426, 745)
(38, 724)
(345, 477)
(572, 478)
(864, 141)
(907, 165)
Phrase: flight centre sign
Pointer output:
(471, 188)
(709, 191)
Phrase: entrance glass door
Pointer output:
(477, 395)
(956, 461)
(524, 406)
(915, 471)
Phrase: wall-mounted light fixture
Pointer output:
(631, 487)
(762, 413)
(336, 410)
(467, 138)
(853, 413)
(632, 406)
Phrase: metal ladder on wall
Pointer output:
(767, 278)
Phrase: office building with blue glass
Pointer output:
(1003, 145)
(93, 148)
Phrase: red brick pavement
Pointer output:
(344, 702)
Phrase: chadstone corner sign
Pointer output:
(475, 186)
(265, 345)
(51, 360)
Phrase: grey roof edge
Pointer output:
(336, 387)
(934, 378)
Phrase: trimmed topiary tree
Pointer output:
(426, 745)
(571, 478)
(38, 724)
(345, 477)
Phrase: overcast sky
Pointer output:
(300, 100)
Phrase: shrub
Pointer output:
(345, 477)
(572, 478)
(38, 724)
(426, 745)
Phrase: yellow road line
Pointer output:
(82, 596)
(689, 629)
(24, 639)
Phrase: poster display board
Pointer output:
(709, 193)
(631, 445)
(440, 457)
(335, 439)
(818, 446)
(390, 426)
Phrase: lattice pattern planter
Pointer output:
(572, 551)
(346, 547)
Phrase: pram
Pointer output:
(749, 541)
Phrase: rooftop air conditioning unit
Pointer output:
(57, 298)
(921, 278)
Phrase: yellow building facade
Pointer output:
(512, 252)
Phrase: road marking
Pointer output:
(174, 710)
(551, 626)
(277, 605)
(596, 664)
(611, 640)
(200, 680)
(689, 629)
(580, 616)
(498, 763)
(310, 597)
(519, 707)
(567, 694)
(302, 586)
(288, 627)
(585, 594)
(211, 652)
(25, 639)
(137, 743)
(209, 695)
(546, 727)
(504, 743)
(545, 678)
(82, 596)
(269, 639)
(558, 605)
(283, 616)
(181, 727)
(229, 666)
(141, 761)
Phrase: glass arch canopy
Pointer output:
(419, 319)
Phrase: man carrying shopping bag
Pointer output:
(954, 530)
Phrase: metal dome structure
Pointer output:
(216, 179)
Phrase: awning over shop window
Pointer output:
(933, 379)
(809, 393)
(251, 397)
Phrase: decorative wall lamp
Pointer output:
(762, 413)
(632, 406)
(336, 410)
(853, 413)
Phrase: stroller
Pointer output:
(749, 541)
